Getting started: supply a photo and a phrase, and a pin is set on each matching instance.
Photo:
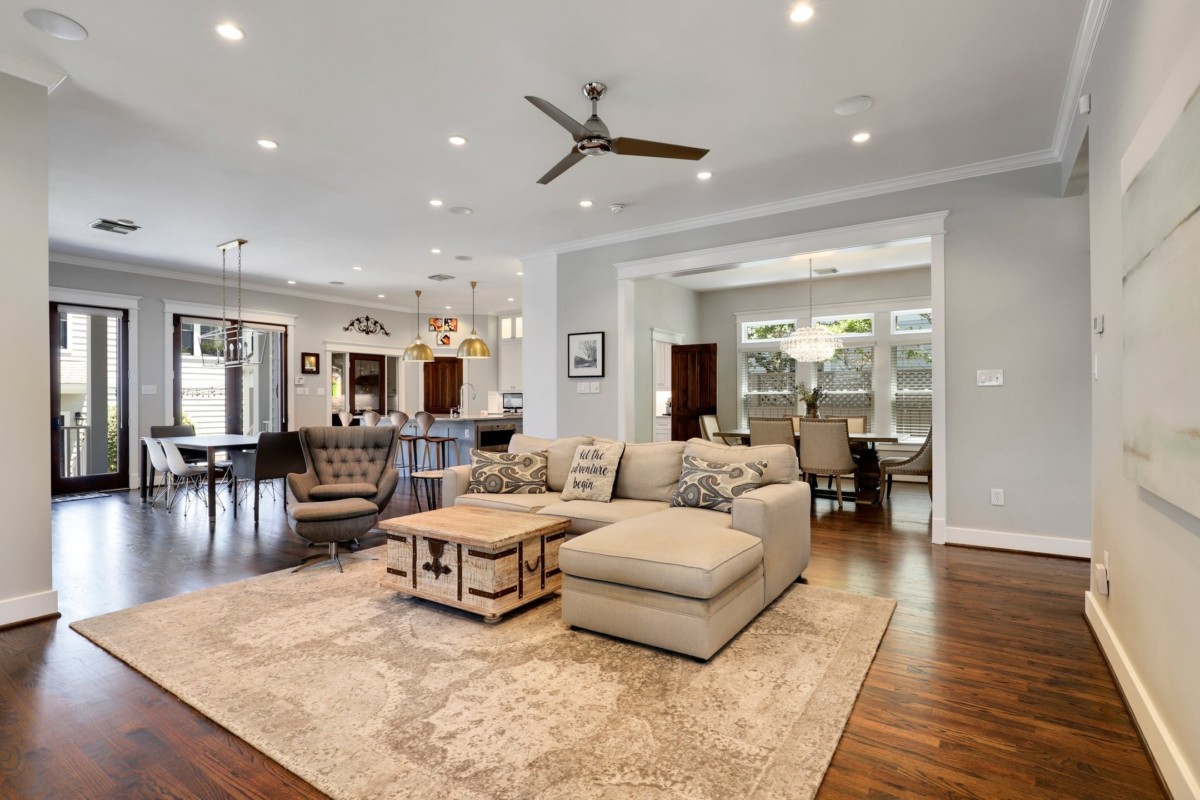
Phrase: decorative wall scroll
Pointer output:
(367, 325)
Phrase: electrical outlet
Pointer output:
(595, 387)
(989, 377)
(997, 497)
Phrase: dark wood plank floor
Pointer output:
(987, 684)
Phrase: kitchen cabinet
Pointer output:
(662, 429)
(510, 365)
(662, 366)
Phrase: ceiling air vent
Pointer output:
(826, 271)
(121, 226)
(441, 277)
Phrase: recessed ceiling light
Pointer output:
(859, 138)
(585, 203)
(849, 106)
(703, 175)
(448, 308)
(268, 144)
(520, 273)
(356, 268)
(56, 25)
(231, 32)
(457, 141)
(510, 299)
(291, 283)
(436, 251)
(381, 296)
(802, 13)
(435, 203)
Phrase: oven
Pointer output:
(494, 436)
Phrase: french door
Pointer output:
(89, 387)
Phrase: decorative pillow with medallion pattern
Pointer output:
(714, 485)
(507, 473)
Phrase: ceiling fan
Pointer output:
(592, 137)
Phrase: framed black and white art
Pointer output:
(585, 355)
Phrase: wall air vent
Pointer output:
(441, 277)
(121, 226)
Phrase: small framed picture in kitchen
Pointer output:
(585, 355)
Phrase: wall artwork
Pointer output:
(443, 324)
(585, 355)
(1160, 174)
(310, 364)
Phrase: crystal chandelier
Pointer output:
(232, 344)
(816, 342)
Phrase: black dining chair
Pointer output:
(277, 456)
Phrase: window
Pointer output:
(767, 331)
(768, 381)
(187, 339)
(512, 327)
(210, 345)
(64, 332)
(912, 389)
(918, 320)
(848, 324)
(849, 380)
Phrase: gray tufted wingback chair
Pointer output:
(346, 462)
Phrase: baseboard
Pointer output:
(31, 606)
(1021, 542)
(1181, 782)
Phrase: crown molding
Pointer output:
(154, 272)
(32, 72)
(1081, 61)
(1006, 164)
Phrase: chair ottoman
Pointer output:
(688, 587)
(332, 521)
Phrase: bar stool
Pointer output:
(425, 421)
(406, 452)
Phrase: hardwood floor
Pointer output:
(987, 684)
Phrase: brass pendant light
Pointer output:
(473, 346)
(418, 350)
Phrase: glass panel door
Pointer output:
(88, 418)
(366, 383)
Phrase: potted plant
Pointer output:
(811, 397)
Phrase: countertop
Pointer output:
(478, 418)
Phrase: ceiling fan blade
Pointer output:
(572, 158)
(625, 146)
(576, 129)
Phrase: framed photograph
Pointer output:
(310, 363)
(585, 355)
(444, 340)
(450, 324)
(435, 324)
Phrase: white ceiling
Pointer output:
(158, 120)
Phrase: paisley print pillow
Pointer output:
(713, 485)
(507, 473)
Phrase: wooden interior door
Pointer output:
(366, 383)
(443, 379)
(693, 387)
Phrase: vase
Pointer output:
(812, 412)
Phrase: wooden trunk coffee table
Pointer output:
(476, 559)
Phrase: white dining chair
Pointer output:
(193, 477)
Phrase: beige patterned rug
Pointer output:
(368, 695)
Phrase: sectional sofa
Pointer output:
(683, 579)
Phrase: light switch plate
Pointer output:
(1098, 323)
(149, 388)
(583, 387)
(595, 387)
(989, 377)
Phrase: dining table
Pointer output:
(866, 477)
(208, 443)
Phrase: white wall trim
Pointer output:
(27, 607)
(890, 230)
(59, 294)
(370, 349)
(1168, 757)
(30, 71)
(1022, 542)
(250, 315)
(937, 301)
(1081, 61)
(215, 280)
(1006, 164)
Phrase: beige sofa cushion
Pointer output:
(782, 464)
(530, 503)
(559, 453)
(650, 471)
(588, 515)
(666, 552)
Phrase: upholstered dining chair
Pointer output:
(825, 450)
(276, 456)
(919, 463)
(371, 418)
(709, 426)
(856, 424)
(771, 430)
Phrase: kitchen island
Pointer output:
(485, 431)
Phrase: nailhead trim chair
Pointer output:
(825, 450)
(920, 463)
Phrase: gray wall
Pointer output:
(317, 322)
(718, 312)
(25, 585)
(662, 305)
(1016, 292)
(1153, 547)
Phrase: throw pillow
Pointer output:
(714, 485)
(507, 473)
(593, 472)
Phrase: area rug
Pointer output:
(366, 694)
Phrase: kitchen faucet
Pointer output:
(462, 397)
